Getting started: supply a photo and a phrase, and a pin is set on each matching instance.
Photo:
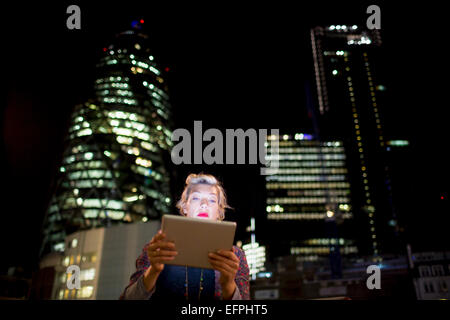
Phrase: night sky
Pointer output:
(231, 66)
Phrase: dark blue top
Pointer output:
(171, 284)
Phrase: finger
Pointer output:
(163, 253)
(162, 259)
(225, 259)
(217, 266)
(222, 270)
(223, 266)
(229, 254)
(162, 245)
(155, 238)
(166, 245)
(159, 236)
(229, 262)
(153, 247)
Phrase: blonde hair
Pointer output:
(201, 178)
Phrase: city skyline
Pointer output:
(226, 69)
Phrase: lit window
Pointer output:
(88, 155)
(124, 140)
(88, 274)
(143, 162)
(84, 132)
(86, 292)
(66, 261)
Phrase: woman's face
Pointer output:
(203, 203)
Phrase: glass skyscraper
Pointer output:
(349, 98)
(308, 200)
(118, 144)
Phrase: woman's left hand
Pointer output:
(227, 263)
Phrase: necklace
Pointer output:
(186, 285)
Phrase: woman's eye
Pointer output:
(212, 201)
(194, 198)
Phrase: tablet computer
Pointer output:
(194, 238)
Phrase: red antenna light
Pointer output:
(104, 49)
(167, 69)
(142, 21)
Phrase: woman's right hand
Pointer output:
(160, 251)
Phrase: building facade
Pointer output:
(292, 278)
(431, 272)
(106, 258)
(349, 108)
(114, 167)
(308, 200)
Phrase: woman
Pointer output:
(203, 198)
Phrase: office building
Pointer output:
(106, 258)
(114, 166)
(431, 274)
(308, 205)
(350, 99)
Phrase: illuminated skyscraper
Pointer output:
(349, 99)
(308, 203)
(256, 254)
(113, 168)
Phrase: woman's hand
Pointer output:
(160, 251)
(227, 263)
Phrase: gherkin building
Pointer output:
(114, 166)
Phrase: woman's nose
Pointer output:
(204, 203)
